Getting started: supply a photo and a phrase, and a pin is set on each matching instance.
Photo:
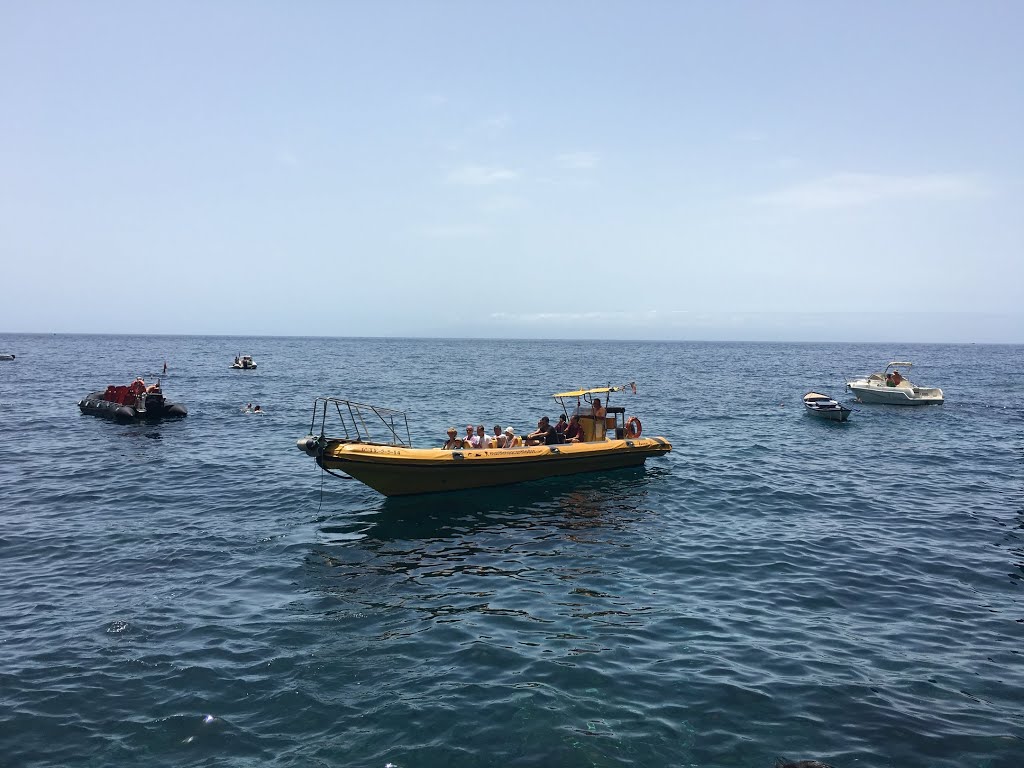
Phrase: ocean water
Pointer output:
(198, 593)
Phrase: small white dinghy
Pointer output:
(824, 407)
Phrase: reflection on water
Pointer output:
(579, 502)
(518, 552)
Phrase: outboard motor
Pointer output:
(152, 402)
(309, 445)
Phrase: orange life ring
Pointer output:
(633, 427)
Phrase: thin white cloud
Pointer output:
(495, 122)
(574, 317)
(579, 161)
(673, 318)
(846, 190)
(750, 136)
(481, 175)
(502, 204)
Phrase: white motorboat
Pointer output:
(890, 388)
(824, 407)
(244, 362)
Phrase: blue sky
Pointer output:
(735, 170)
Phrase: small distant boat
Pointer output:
(244, 363)
(824, 407)
(6, 357)
(890, 388)
(135, 402)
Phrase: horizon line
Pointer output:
(575, 340)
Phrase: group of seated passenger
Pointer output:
(565, 431)
(570, 431)
(478, 438)
(893, 379)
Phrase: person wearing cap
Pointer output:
(453, 442)
(511, 440)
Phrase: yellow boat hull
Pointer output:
(397, 471)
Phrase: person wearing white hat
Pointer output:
(511, 440)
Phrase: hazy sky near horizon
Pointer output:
(734, 170)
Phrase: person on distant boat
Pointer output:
(498, 441)
(889, 382)
(598, 410)
(574, 431)
(896, 378)
(470, 440)
(545, 434)
(483, 440)
(562, 424)
(154, 388)
(453, 443)
(511, 439)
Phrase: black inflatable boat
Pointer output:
(136, 402)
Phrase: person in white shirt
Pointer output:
(483, 440)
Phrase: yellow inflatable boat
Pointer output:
(391, 466)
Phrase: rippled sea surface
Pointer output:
(198, 593)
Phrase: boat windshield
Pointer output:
(896, 364)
